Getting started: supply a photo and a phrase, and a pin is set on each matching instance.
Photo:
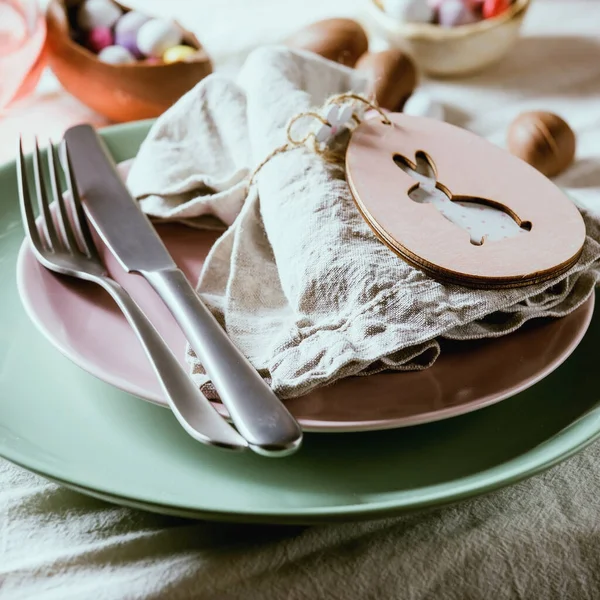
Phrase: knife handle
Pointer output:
(191, 408)
(254, 408)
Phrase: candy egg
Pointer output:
(414, 11)
(97, 13)
(340, 40)
(543, 140)
(99, 38)
(126, 31)
(493, 8)
(116, 55)
(392, 76)
(453, 13)
(178, 54)
(156, 36)
(421, 104)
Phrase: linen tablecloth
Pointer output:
(538, 539)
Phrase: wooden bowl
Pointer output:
(119, 92)
(456, 51)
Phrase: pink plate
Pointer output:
(86, 326)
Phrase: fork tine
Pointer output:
(40, 184)
(25, 201)
(64, 224)
(80, 221)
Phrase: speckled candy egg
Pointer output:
(413, 11)
(126, 31)
(116, 55)
(453, 13)
(156, 36)
(97, 13)
(493, 8)
(178, 54)
(99, 38)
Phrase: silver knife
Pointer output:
(260, 417)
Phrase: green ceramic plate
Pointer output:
(65, 424)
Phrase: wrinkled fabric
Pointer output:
(299, 281)
(537, 540)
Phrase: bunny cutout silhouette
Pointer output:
(481, 220)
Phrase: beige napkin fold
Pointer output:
(298, 279)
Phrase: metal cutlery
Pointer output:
(65, 245)
(258, 414)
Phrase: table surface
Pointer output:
(538, 539)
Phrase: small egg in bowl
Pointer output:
(139, 89)
(450, 51)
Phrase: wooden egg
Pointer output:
(427, 216)
(340, 40)
(392, 75)
(543, 140)
(121, 92)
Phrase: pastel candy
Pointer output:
(126, 31)
(99, 38)
(116, 55)
(453, 13)
(414, 11)
(97, 13)
(178, 54)
(493, 8)
(156, 36)
(421, 104)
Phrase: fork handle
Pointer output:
(191, 408)
(253, 406)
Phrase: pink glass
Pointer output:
(22, 37)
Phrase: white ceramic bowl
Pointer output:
(444, 51)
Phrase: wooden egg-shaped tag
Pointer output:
(458, 207)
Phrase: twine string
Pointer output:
(310, 139)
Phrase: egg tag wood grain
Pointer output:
(458, 207)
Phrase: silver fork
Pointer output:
(69, 249)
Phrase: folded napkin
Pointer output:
(298, 280)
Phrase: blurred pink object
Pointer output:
(99, 38)
(22, 37)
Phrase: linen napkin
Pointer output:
(298, 280)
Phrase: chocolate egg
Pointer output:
(340, 40)
(392, 75)
(156, 36)
(543, 140)
(97, 13)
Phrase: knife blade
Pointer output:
(260, 417)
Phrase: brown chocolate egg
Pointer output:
(543, 140)
(340, 40)
(392, 75)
